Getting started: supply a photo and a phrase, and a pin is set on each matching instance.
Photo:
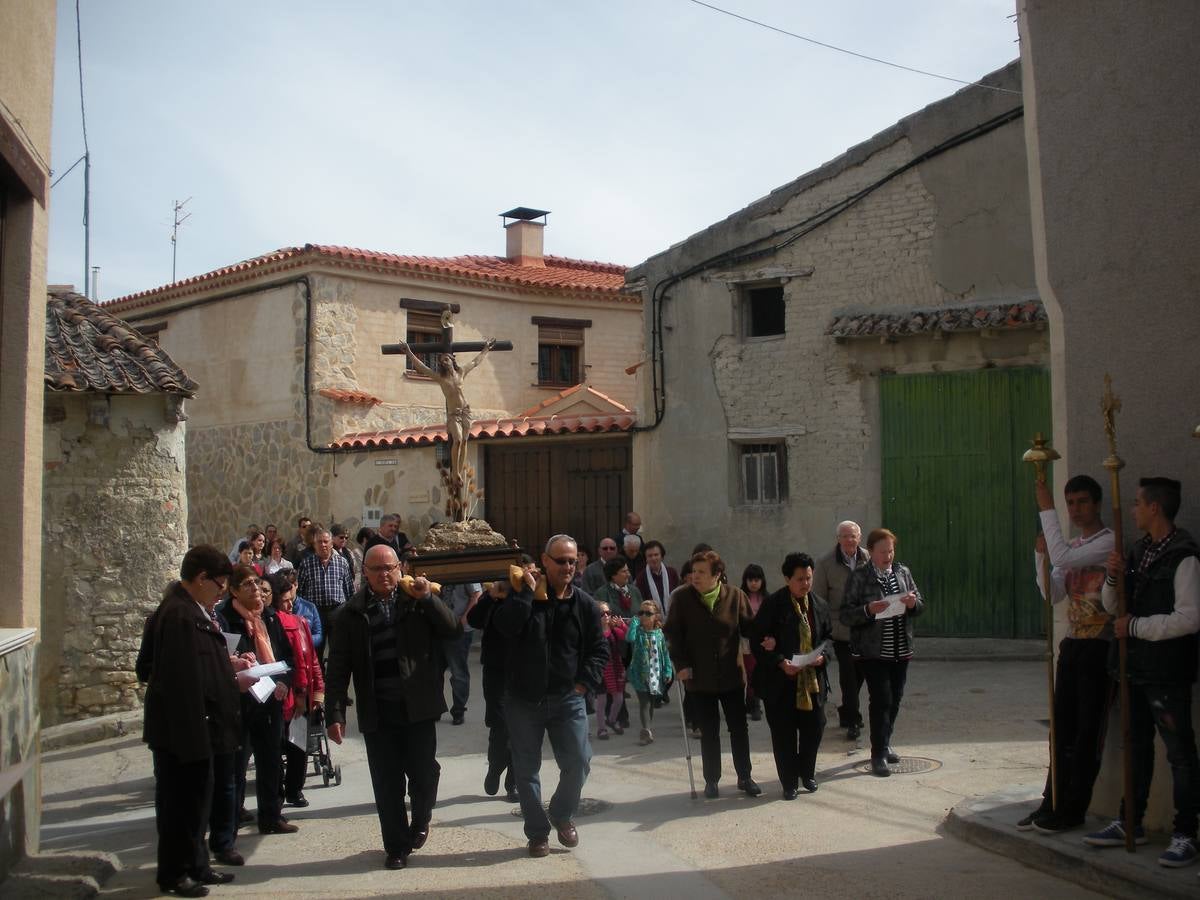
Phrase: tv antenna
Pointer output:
(178, 220)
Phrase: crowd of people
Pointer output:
(566, 637)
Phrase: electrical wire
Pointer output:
(854, 53)
(68, 172)
(79, 57)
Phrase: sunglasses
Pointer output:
(564, 560)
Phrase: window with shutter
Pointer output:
(422, 328)
(762, 473)
(560, 355)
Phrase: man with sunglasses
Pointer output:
(556, 654)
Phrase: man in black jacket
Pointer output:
(191, 717)
(385, 637)
(1162, 585)
(556, 654)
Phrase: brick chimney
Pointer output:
(524, 235)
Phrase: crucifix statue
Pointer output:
(450, 378)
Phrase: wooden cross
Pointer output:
(446, 345)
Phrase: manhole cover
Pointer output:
(587, 807)
(908, 765)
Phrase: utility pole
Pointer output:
(175, 232)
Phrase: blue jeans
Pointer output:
(1166, 708)
(563, 718)
(457, 652)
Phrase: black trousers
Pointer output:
(262, 736)
(1082, 693)
(795, 739)
(1166, 708)
(182, 793)
(325, 613)
(733, 705)
(295, 769)
(499, 752)
(850, 678)
(885, 689)
(223, 814)
(401, 758)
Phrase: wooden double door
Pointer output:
(581, 487)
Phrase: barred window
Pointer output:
(423, 328)
(762, 470)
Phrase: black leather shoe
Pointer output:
(853, 732)
(790, 793)
(892, 756)
(750, 786)
(457, 719)
(710, 791)
(245, 818)
(810, 784)
(396, 861)
(229, 857)
(211, 877)
(512, 796)
(299, 800)
(185, 887)
(418, 836)
(491, 782)
(879, 768)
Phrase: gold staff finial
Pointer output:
(1110, 405)
(1040, 454)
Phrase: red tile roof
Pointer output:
(564, 394)
(559, 275)
(426, 435)
(341, 395)
(1022, 314)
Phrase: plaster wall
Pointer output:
(27, 66)
(1112, 128)
(937, 235)
(115, 525)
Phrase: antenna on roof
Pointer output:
(175, 232)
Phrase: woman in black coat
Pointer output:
(792, 622)
(248, 614)
(882, 645)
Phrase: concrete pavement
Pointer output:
(972, 727)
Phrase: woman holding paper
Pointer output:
(793, 638)
(879, 604)
(248, 615)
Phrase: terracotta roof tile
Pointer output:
(559, 273)
(1027, 313)
(341, 395)
(89, 349)
(567, 392)
(426, 435)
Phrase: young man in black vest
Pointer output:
(1162, 589)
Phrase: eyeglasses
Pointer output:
(567, 561)
(646, 615)
(379, 570)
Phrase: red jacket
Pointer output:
(308, 685)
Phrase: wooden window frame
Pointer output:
(746, 301)
(761, 466)
(556, 338)
(421, 327)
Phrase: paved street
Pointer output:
(858, 836)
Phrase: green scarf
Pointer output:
(806, 679)
(710, 599)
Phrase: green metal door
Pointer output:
(959, 498)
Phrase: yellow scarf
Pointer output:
(806, 680)
(257, 631)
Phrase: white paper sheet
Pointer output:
(895, 607)
(266, 670)
(262, 689)
(231, 642)
(298, 732)
(805, 659)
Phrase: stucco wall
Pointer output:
(938, 235)
(20, 808)
(1112, 126)
(115, 530)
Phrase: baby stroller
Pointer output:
(318, 750)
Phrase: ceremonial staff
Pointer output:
(1040, 454)
(1110, 405)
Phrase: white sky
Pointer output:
(407, 126)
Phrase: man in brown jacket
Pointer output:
(706, 621)
(829, 581)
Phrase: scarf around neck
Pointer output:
(806, 679)
(710, 599)
(257, 629)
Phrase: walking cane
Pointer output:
(1110, 405)
(1040, 454)
(687, 744)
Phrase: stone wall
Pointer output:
(114, 532)
(20, 806)
(934, 236)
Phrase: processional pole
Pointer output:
(1040, 454)
(1110, 405)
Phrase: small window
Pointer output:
(763, 470)
(151, 332)
(560, 355)
(762, 311)
(423, 327)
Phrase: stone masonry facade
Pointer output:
(114, 531)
